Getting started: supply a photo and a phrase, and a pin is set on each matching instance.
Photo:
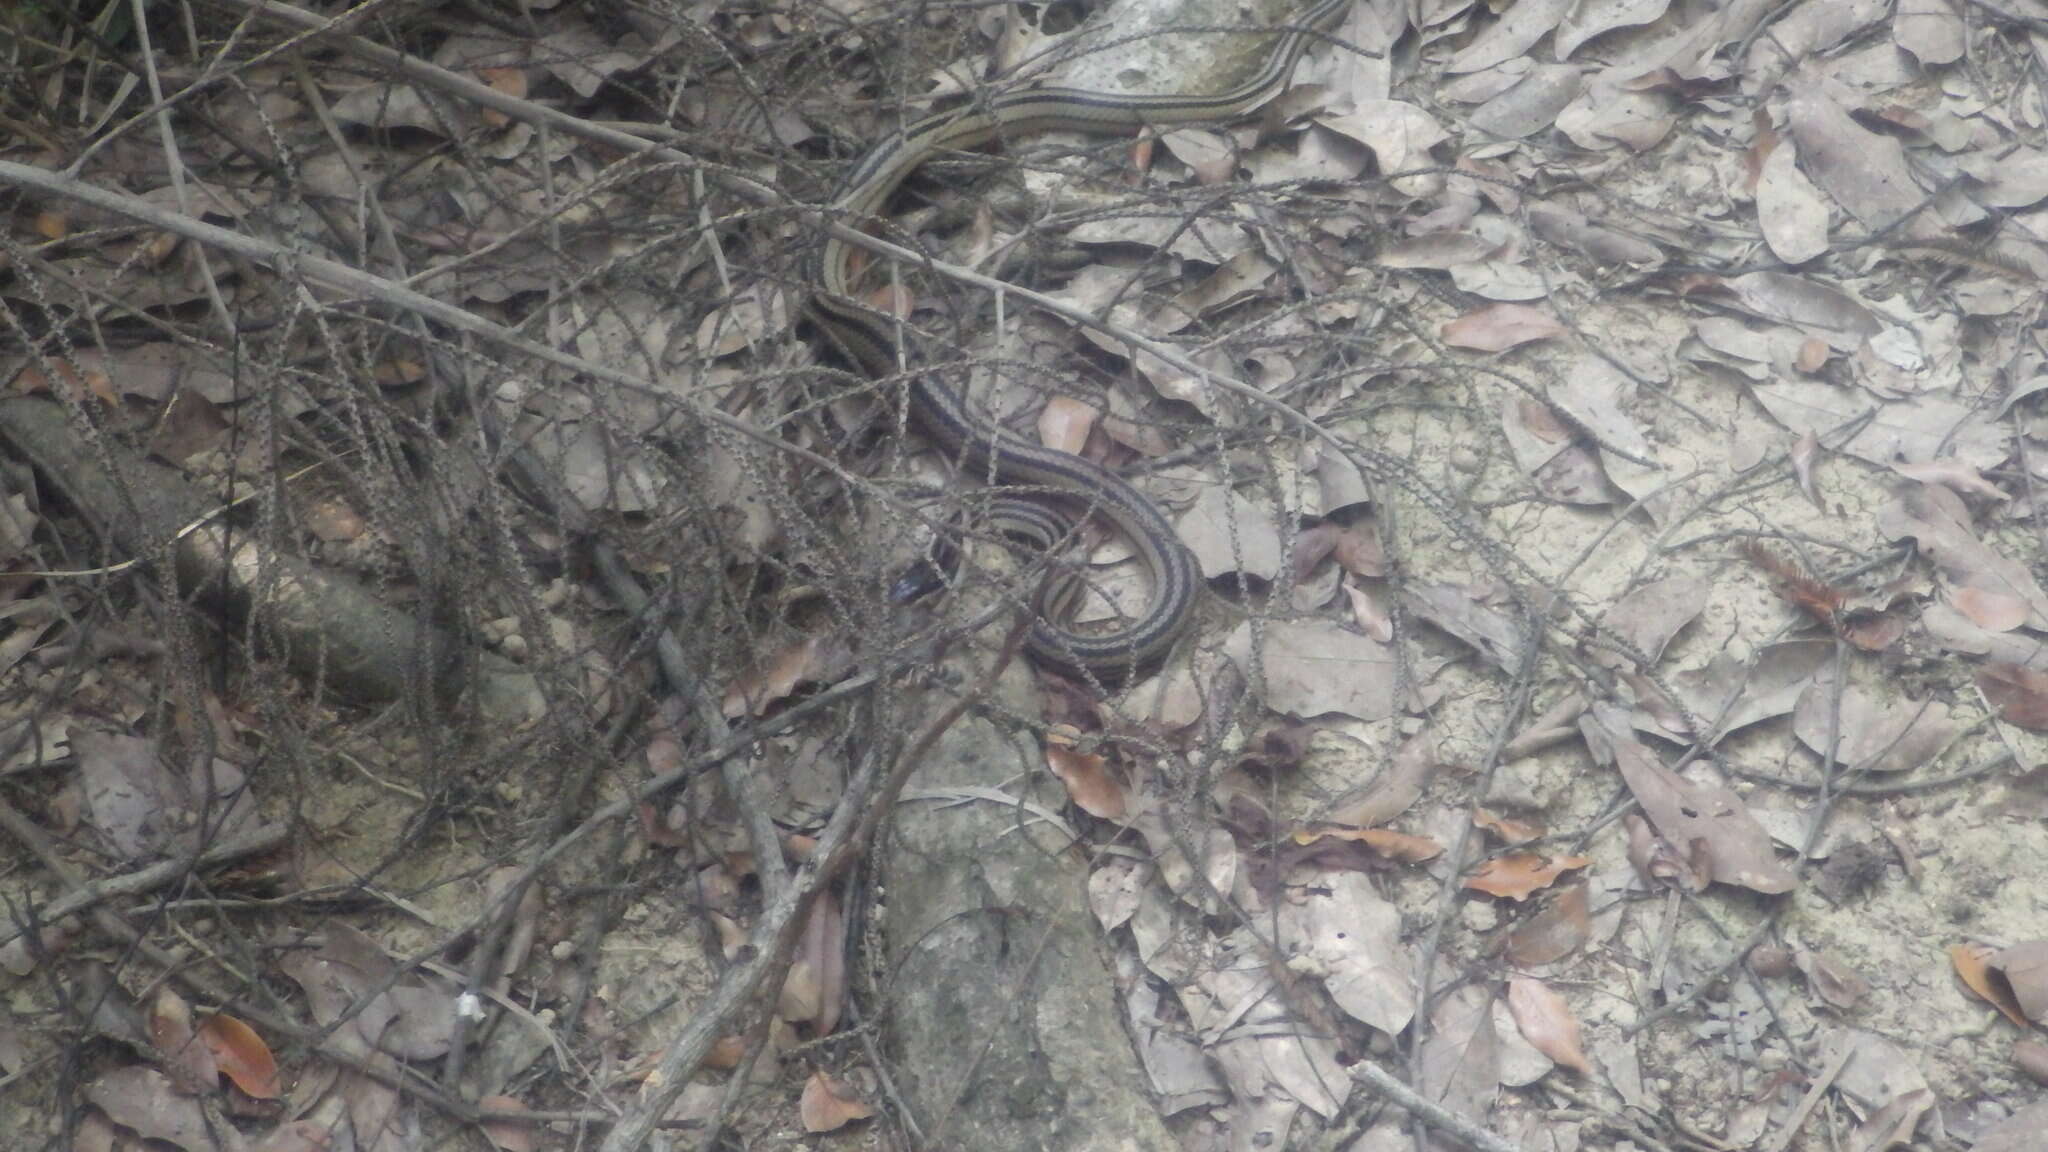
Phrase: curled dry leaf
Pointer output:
(241, 1055)
(2025, 966)
(828, 1104)
(1547, 1022)
(1089, 782)
(1385, 841)
(1973, 965)
(1510, 831)
(1520, 875)
(1557, 930)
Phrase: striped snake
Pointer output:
(867, 338)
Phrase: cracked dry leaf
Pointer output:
(1346, 932)
(1789, 208)
(1874, 733)
(1919, 428)
(1520, 875)
(1973, 965)
(1546, 1022)
(1232, 533)
(1730, 693)
(1648, 618)
(1708, 818)
(1458, 610)
(1499, 327)
(1314, 667)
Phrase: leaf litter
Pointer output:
(1864, 406)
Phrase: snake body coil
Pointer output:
(865, 336)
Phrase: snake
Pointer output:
(1060, 482)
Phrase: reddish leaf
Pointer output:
(1090, 784)
(1385, 841)
(829, 1104)
(1518, 876)
(242, 1055)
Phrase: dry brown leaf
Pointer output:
(1385, 841)
(2025, 966)
(1547, 1022)
(186, 1059)
(1522, 874)
(797, 662)
(1656, 861)
(1090, 784)
(1805, 450)
(2018, 694)
(1992, 589)
(1499, 327)
(1402, 786)
(829, 1104)
(1973, 965)
(1510, 831)
(1557, 930)
(1707, 820)
(726, 1053)
(241, 1055)
(1064, 423)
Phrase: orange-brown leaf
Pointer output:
(828, 1104)
(1089, 782)
(242, 1055)
(1523, 873)
(1385, 841)
(1972, 964)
